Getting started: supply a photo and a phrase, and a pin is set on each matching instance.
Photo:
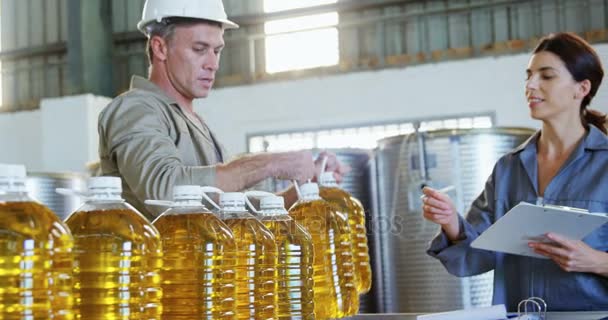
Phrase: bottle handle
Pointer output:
(297, 187)
(323, 165)
(209, 189)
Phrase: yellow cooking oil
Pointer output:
(295, 260)
(118, 257)
(352, 207)
(336, 294)
(256, 260)
(197, 276)
(35, 254)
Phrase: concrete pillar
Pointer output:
(90, 47)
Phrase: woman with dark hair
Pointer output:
(566, 164)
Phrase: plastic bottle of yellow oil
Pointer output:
(336, 294)
(198, 260)
(349, 205)
(35, 254)
(118, 257)
(295, 280)
(256, 260)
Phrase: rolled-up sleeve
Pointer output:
(458, 257)
(137, 138)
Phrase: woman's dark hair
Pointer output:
(583, 63)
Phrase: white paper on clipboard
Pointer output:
(526, 222)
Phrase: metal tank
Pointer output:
(408, 280)
(356, 182)
(41, 186)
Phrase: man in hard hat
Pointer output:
(151, 137)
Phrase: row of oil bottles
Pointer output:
(108, 262)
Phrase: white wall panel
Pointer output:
(430, 90)
(64, 137)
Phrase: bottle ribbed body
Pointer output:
(118, 258)
(350, 206)
(198, 266)
(36, 262)
(256, 273)
(335, 290)
(295, 277)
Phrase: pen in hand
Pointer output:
(442, 190)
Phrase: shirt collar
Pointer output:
(595, 139)
(141, 83)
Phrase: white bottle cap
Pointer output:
(232, 199)
(12, 171)
(309, 191)
(272, 202)
(327, 180)
(105, 188)
(12, 177)
(187, 192)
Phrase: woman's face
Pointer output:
(551, 91)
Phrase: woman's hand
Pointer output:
(439, 208)
(572, 255)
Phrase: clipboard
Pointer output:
(528, 222)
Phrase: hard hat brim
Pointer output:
(226, 24)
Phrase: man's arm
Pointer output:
(137, 137)
(246, 171)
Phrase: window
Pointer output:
(303, 42)
(364, 137)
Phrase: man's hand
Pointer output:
(332, 165)
(293, 165)
(298, 165)
(572, 255)
(245, 171)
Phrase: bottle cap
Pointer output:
(309, 191)
(327, 179)
(187, 192)
(272, 202)
(232, 199)
(105, 188)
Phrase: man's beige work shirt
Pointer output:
(146, 139)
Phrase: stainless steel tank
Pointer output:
(41, 186)
(408, 279)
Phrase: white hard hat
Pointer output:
(212, 10)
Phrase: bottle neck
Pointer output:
(188, 202)
(105, 195)
(234, 208)
(310, 197)
(13, 196)
(234, 212)
(329, 184)
(272, 212)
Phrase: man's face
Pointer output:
(193, 58)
